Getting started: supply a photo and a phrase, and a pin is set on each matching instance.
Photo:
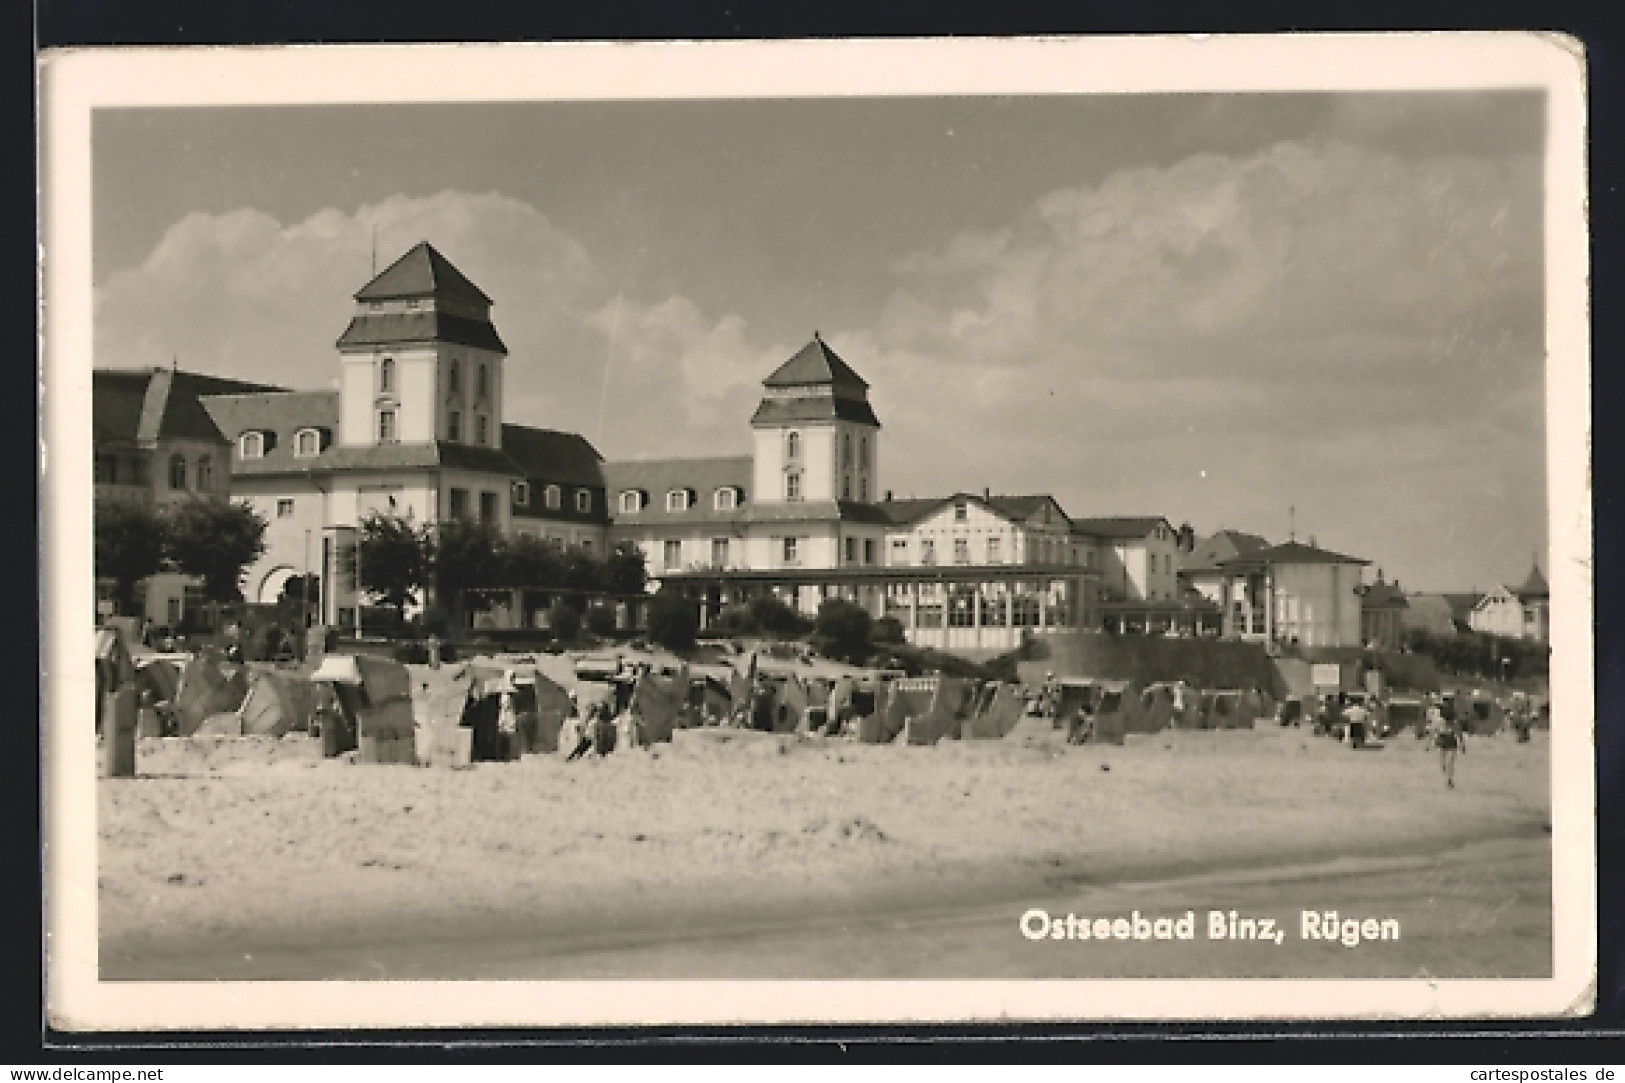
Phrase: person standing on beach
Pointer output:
(1448, 738)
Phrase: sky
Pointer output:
(1320, 312)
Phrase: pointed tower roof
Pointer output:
(814, 364)
(422, 272)
(1535, 586)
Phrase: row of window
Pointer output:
(792, 449)
(552, 497)
(256, 443)
(454, 378)
(177, 472)
(725, 498)
(454, 428)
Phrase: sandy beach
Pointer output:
(729, 854)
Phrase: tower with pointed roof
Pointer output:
(421, 361)
(816, 436)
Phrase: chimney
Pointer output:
(1313, 544)
(888, 496)
(987, 494)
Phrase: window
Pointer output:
(583, 501)
(106, 470)
(863, 490)
(284, 508)
(454, 426)
(673, 554)
(725, 498)
(1167, 563)
(995, 550)
(386, 426)
(454, 377)
(521, 494)
(846, 487)
(488, 507)
(961, 511)
(851, 550)
(177, 471)
(792, 486)
(719, 552)
(251, 445)
(677, 500)
(205, 472)
(482, 386)
(306, 443)
(482, 432)
(792, 550)
(868, 550)
(928, 551)
(386, 375)
(459, 503)
(846, 450)
(863, 452)
(899, 550)
(631, 501)
(586, 546)
(553, 497)
(792, 446)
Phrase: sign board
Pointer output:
(1326, 675)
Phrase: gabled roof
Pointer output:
(549, 455)
(1014, 508)
(143, 406)
(1219, 546)
(415, 328)
(421, 272)
(1292, 552)
(911, 509)
(816, 363)
(1023, 508)
(1119, 526)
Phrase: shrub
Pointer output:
(843, 630)
(601, 620)
(564, 620)
(674, 621)
(774, 617)
(887, 630)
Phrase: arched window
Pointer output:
(251, 445)
(205, 472)
(307, 443)
(386, 375)
(177, 471)
(481, 383)
(792, 446)
(725, 498)
(677, 500)
(454, 378)
(631, 501)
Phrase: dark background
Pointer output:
(64, 23)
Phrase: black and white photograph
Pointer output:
(715, 532)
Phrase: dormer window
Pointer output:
(251, 445)
(792, 446)
(553, 497)
(386, 376)
(726, 498)
(521, 494)
(454, 379)
(961, 511)
(678, 500)
(584, 500)
(307, 443)
(633, 500)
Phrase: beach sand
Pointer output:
(736, 854)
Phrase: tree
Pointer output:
(466, 556)
(674, 621)
(600, 619)
(564, 621)
(530, 562)
(774, 617)
(843, 629)
(624, 571)
(394, 558)
(129, 547)
(887, 630)
(215, 542)
(581, 574)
